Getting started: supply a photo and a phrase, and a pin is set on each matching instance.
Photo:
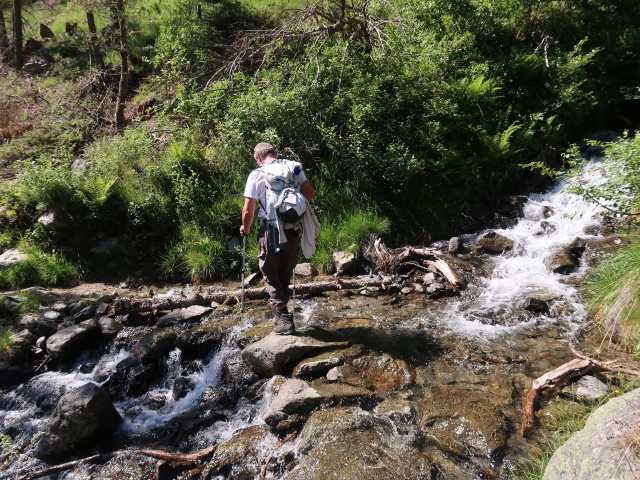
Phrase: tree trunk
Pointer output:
(17, 34)
(93, 41)
(123, 85)
(4, 38)
(135, 305)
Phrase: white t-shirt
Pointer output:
(256, 187)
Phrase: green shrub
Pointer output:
(5, 343)
(347, 234)
(38, 269)
(196, 256)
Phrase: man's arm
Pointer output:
(307, 190)
(248, 212)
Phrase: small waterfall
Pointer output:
(493, 305)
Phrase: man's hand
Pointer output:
(244, 232)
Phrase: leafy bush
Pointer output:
(347, 234)
(5, 343)
(38, 269)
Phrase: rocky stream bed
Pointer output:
(408, 381)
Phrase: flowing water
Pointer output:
(478, 345)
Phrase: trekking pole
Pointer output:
(244, 251)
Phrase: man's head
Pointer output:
(264, 150)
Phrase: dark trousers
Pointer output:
(277, 267)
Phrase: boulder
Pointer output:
(400, 411)
(109, 327)
(46, 32)
(54, 222)
(20, 345)
(493, 242)
(82, 417)
(455, 246)
(12, 257)
(201, 340)
(155, 344)
(463, 422)
(344, 263)
(69, 341)
(538, 305)
(231, 455)
(306, 270)
(38, 326)
(563, 261)
(189, 314)
(53, 316)
(275, 353)
(318, 365)
(85, 314)
(349, 375)
(297, 398)
(606, 436)
(350, 443)
(385, 372)
(587, 388)
(42, 295)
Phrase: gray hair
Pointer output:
(264, 150)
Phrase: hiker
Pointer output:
(274, 183)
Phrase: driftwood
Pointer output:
(552, 380)
(103, 457)
(123, 306)
(392, 261)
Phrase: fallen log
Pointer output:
(104, 457)
(123, 306)
(552, 380)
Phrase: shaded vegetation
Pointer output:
(405, 116)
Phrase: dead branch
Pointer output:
(124, 306)
(103, 457)
(550, 381)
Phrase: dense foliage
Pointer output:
(405, 115)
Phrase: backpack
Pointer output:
(284, 201)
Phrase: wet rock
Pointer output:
(297, 398)
(232, 454)
(546, 228)
(547, 211)
(75, 307)
(69, 341)
(401, 412)
(464, 422)
(317, 366)
(131, 378)
(275, 353)
(13, 375)
(189, 314)
(455, 246)
(201, 340)
(562, 262)
(236, 372)
(493, 242)
(54, 222)
(181, 386)
(220, 397)
(344, 263)
(155, 344)
(385, 372)
(606, 437)
(349, 375)
(12, 257)
(85, 314)
(350, 443)
(537, 305)
(81, 418)
(109, 327)
(306, 270)
(587, 388)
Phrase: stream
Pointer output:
(469, 359)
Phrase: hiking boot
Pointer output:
(283, 323)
